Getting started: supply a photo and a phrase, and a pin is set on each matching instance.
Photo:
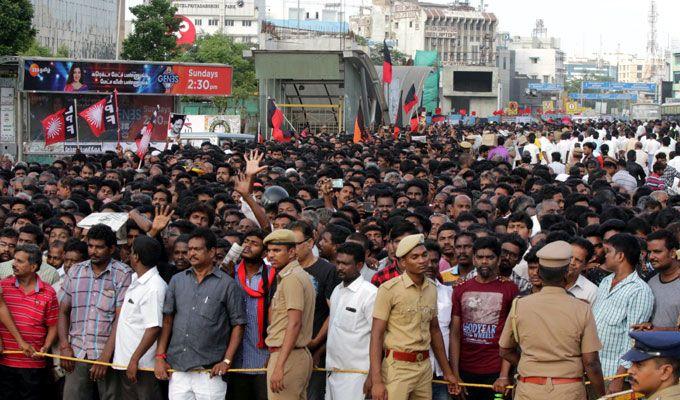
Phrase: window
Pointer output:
(396, 25)
(639, 67)
(198, 22)
(546, 78)
(247, 23)
(534, 60)
(212, 22)
(228, 22)
(410, 24)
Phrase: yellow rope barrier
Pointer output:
(241, 370)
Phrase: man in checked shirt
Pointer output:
(93, 294)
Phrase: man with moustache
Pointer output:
(480, 308)
(655, 365)
(256, 280)
(662, 247)
(405, 327)
(349, 327)
(291, 320)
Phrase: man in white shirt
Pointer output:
(349, 325)
(547, 145)
(531, 148)
(577, 284)
(139, 323)
(444, 311)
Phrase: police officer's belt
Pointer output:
(542, 380)
(408, 356)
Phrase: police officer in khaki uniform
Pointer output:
(404, 327)
(556, 333)
(291, 315)
(656, 364)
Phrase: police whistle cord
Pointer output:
(242, 370)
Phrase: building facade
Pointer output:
(588, 68)
(87, 28)
(675, 73)
(539, 56)
(461, 34)
(234, 18)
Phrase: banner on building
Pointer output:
(620, 86)
(128, 78)
(212, 123)
(132, 111)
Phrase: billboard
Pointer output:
(132, 112)
(603, 96)
(67, 76)
(621, 86)
(546, 87)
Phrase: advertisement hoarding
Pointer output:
(67, 76)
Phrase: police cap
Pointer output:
(650, 344)
(281, 236)
(409, 243)
(555, 254)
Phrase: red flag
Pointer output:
(94, 116)
(275, 121)
(54, 127)
(359, 128)
(463, 112)
(143, 139)
(411, 99)
(387, 64)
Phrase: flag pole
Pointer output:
(75, 113)
(115, 100)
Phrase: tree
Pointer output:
(154, 36)
(222, 49)
(62, 52)
(17, 33)
(37, 50)
(398, 58)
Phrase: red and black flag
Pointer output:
(411, 100)
(60, 126)
(438, 117)
(275, 121)
(387, 64)
(359, 127)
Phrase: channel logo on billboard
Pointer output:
(35, 70)
(168, 78)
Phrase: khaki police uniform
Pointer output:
(294, 291)
(553, 329)
(671, 393)
(408, 310)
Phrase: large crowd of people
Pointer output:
(495, 254)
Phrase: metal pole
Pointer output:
(19, 127)
(75, 113)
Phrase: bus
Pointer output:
(670, 111)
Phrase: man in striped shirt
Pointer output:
(623, 300)
(34, 308)
(92, 296)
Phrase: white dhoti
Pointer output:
(343, 386)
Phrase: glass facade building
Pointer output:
(88, 28)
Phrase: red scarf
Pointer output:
(257, 294)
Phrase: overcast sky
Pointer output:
(584, 26)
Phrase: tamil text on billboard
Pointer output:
(127, 78)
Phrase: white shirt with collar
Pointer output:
(584, 289)
(349, 336)
(444, 311)
(142, 309)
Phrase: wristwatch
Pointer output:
(227, 361)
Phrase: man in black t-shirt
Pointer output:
(325, 278)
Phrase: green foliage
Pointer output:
(17, 33)
(37, 50)
(398, 58)
(154, 36)
(62, 52)
(574, 85)
(222, 49)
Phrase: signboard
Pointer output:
(133, 78)
(212, 123)
(132, 112)
(620, 86)
(546, 87)
(513, 107)
(603, 96)
(7, 126)
(548, 105)
(187, 31)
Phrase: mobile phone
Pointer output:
(337, 183)
(368, 207)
